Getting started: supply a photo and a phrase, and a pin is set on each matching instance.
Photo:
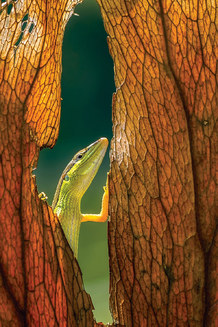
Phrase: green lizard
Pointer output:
(74, 181)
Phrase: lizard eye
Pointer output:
(79, 156)
(66, 178)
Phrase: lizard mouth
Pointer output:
(102, 143)
(95, 155)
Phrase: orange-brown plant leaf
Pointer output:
(162, 233)
(40, 280)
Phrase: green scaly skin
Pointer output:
(74, 181)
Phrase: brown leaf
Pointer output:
(162, 191)
(40, 281)
(162, 231)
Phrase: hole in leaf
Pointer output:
(85, 53)
(31, 27)
(9, 8)
(25, 18)
(19, 39)
(24, 24)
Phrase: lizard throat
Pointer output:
(70, 220)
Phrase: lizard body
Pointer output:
(73, 183)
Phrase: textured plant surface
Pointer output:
(40, 281)
(162, 234)
(162, 231)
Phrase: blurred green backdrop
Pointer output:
(87, 87)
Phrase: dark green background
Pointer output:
(87, 87)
